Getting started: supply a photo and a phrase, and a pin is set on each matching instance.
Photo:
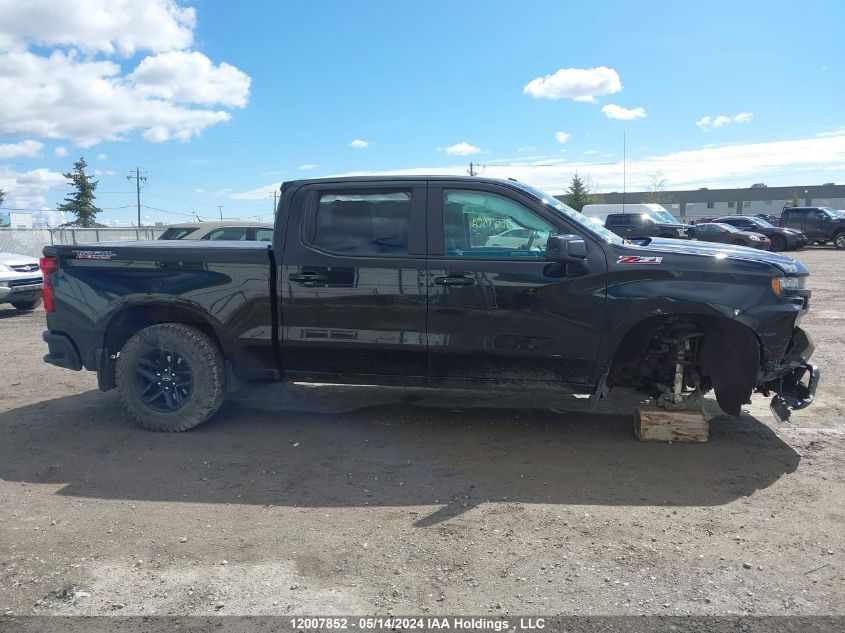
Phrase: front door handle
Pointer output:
(454, 281)
(307, 277)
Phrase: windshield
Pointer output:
(590, 224)
(764, 223)
(664, 216)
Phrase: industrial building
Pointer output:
(704, 202)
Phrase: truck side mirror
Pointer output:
(565, 248)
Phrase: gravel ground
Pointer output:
(298, 500)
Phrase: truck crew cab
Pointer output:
(819, 224)
(396, 281)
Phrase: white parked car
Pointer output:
(20, 281)
(222, 230)
(519, 239)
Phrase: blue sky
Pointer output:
(218, 102)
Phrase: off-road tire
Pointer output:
(208, 376)
(839, 241)
(27, 306)
(778, 243)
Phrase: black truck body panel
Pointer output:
(419, 314)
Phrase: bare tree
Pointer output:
(657, 193)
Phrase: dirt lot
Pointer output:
(375, 501)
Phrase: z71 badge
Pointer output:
(93, 254)
(636, 259)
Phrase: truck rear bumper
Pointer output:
(63, 352)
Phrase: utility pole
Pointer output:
(138, 178)
(471, 171)
(220, 206)
(273, 193)
(624, 166)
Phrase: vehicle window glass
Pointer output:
(229, 233)
(616, 220)
(356, 223)
(264, 235)
(175, 234)
(480, 224)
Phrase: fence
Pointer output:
(32, 241)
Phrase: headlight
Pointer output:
(788, 285)
(755, 238)
(5, 269)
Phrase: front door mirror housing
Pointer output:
(566, 248)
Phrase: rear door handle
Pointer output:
(454, 281)
(307, 277)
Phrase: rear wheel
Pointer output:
(778, 243)
(27, 306)
(170, 377)
(839, 241)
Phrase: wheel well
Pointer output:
(727, 357)
(131, 320)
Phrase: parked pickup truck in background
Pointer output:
(395, 281)
(819, 224)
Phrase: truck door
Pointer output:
(353, 281)
(503, 313)
(818, 225)
(793, 219)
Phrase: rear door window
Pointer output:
(264, 235)
(364, 224)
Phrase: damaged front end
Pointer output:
(793, 381)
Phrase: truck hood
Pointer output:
(659, 245)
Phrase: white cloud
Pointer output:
(462, 149)
(525, 148)
(613, 111)
(709, 122)
(107, 26)
(102, 156)
(190, 77)
(26, 190)
(65, 97)
(28, 149)
(579, 84)
(60, 151)
(561, 137)
(360, 144)
(776, 162)
(308, 166)
(59, 81)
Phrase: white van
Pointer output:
(656, 212)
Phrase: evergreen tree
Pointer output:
(80, 202)
(2, 196)
(578, 193)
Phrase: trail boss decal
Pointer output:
(93, 254)
(636, 259)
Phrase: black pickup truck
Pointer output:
(397, 281)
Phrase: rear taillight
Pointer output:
(48, 265)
